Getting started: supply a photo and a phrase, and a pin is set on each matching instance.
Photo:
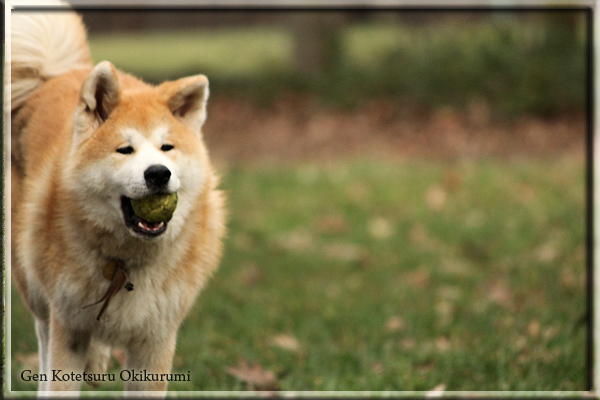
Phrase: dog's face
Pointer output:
(130, 142)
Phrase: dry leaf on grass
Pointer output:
(567, 279)
(331, 223)
(442, 343)
(436, 198)
(534, 328)
(445, 312)
(380, 228)
(419, 236)
(286, 342)
(295, 241)
(28, 361)
(394, 324)
(547, 252)
(408, 343)
(377, 367)
(452, 180)
(500, 294)
(436, 391)
(345, 251)
(249, 274)
(255, 376)
(419, 278)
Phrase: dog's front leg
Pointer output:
(68, 356)
(147, 360)
(43, 333)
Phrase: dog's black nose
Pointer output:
(157, 176)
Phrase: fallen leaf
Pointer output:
(286, 342)
(534, 328)
(408, 343)
(547, 252)
(331, 223)
(445, 311)
(29, 361)
(436, 391)
(442, 343)
(550, 332)
(567, 279)
(380, 228)
(377, 367)
(451, 180)
(520, 343)
(295, 241)
(394, 324)
(420, 237)
(499, 293)
(344, 251)
(254, 376)
(418, 278)
(249, 274)
(436, 198)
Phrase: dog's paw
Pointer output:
(98, 363)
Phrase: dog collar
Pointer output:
(115, 272)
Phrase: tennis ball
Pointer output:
(156, 207)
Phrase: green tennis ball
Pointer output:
(156, 207)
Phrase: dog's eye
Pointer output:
(166, 147)
(125, 150)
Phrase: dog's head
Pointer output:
(131, 140)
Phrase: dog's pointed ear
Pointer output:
(186, 98)
(100, 93)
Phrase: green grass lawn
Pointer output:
(380, 275)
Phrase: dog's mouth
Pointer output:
(138, 225)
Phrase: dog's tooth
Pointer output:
(141, 225)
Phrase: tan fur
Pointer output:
(59, 248)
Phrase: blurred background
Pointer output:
(407, 195)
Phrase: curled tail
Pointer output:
(44, 44)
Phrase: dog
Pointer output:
(86, 141)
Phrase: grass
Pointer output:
(234, 53)
(380, 275)
(516, 66)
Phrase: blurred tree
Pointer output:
(562, 29)
(317, 40)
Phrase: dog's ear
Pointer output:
(186, 98)
(99, 94)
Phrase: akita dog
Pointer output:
(87, 142)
